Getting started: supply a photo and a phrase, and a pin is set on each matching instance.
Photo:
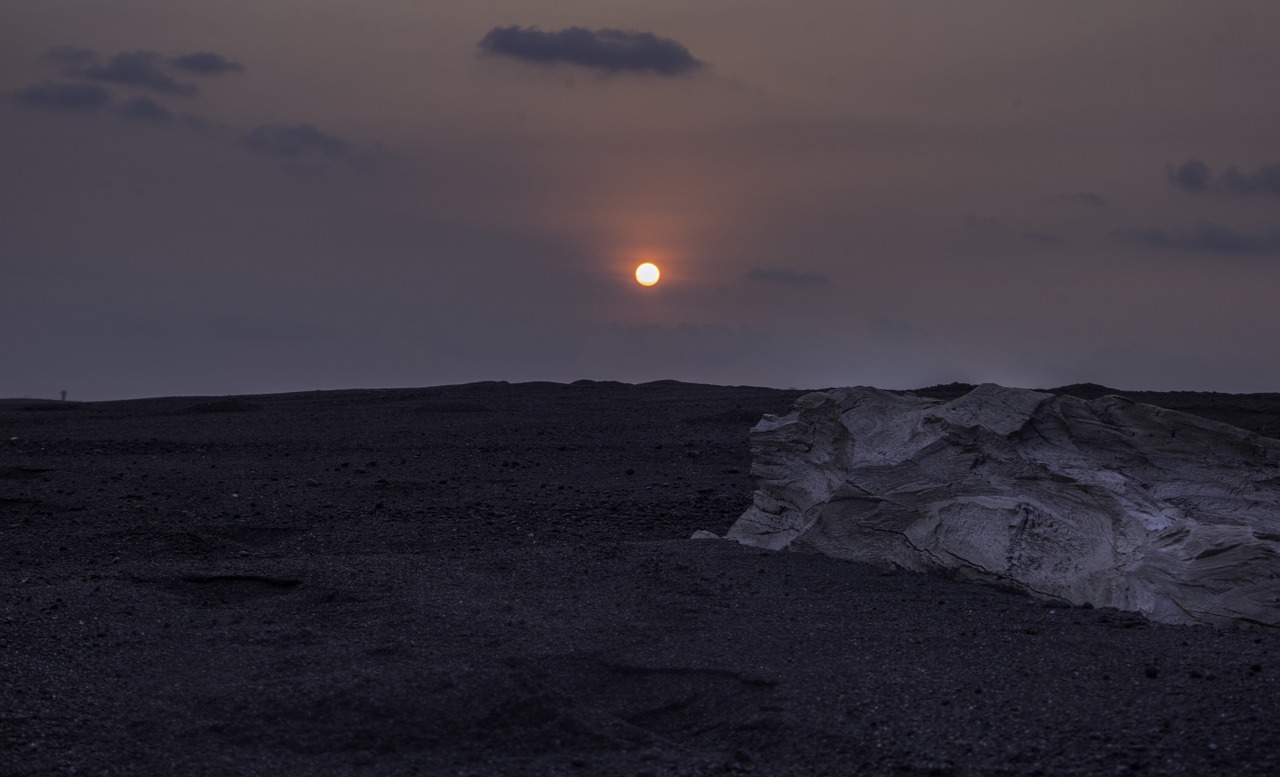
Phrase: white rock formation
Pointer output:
(1107, 502)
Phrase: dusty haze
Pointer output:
(880, 193)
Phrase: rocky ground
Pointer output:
(495, 579)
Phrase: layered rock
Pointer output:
(1106, 502)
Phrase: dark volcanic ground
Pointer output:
(494, 579)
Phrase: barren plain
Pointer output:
(495, 579)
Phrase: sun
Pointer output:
(647, 274)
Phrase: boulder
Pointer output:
(1108, 502)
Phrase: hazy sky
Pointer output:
(252, 196)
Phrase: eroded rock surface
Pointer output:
(1106, 502)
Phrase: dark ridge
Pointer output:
(668, 383)
(1254, 412)
(942, 390)
(533, 384)
(1087, 391)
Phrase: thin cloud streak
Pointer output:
(146, 109)
(1206, 237)
(1264, 180)
(135, 68)
(292, 141)
(613, 51)
(205, 63)
(83, 98)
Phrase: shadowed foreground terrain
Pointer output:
(494, 579)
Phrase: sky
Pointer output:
(256, 196)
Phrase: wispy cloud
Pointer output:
(1206, 237)
(1264, 180)
(81, 98)
(292, 141)
(1192, 175)
(142, 69)
(302, 146)
(613, 51)
(205, 63)
(146, 109)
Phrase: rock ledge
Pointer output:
(1105, 502)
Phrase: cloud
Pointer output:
(84, 98)
(89, 98)
(1207, 237)
(146, 109)
(613, 51)
(1043, 238)
(134, 68)
(1192, 175)
(1195, 176)
(291, 141)
(790, 277)
(205, 63)
(1266, 180)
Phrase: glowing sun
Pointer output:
(647, 274)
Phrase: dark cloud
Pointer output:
(1043, 238)
(613, 51)
(291, 141)
(981, 221)
(134, 68)
(63, 96)
(71, 55)
(790, 277)
(1207, 237)
(1192, 175)
(205, 63)
(1266, 180)
(146, 109)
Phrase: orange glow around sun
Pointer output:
(647, 274)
